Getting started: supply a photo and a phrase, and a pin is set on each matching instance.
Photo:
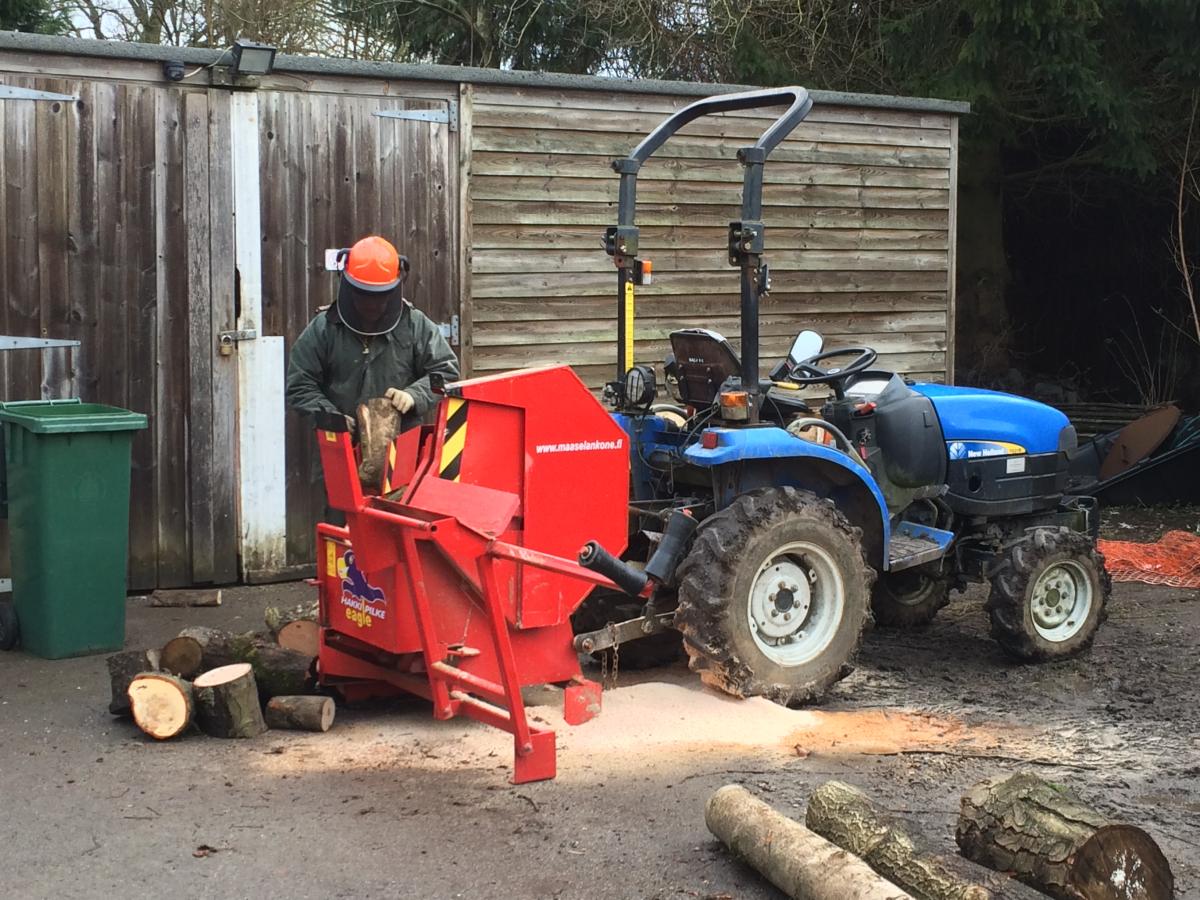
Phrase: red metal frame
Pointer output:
(461, 590)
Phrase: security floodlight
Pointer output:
(250, 58)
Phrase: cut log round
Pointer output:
(182, 656)
(847, 817)
(799, 862)
(162, 704)
(301, 635)
(227, 702)
(1052, 841)
(218, 648)
(276, 618)
(278, 671)
(123, 667)
(300, 713)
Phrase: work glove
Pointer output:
(402, 400)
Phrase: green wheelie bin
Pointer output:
(66, 476)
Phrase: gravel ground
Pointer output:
(393, 804)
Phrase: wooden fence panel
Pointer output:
(108, 239)
(856, 201)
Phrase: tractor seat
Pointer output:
(703, 360)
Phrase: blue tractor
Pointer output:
(770, 533)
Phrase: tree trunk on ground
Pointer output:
(848, 818)
(162, 704)
(277, 670)
(208, 597)
(182, 656)
(378, 425)
(277, 619)
(123, 667)
(797, 861)
(302, 635)
(300, 713)
(227, 702)
(1050, 840)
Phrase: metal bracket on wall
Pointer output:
(449, 330)
(9, 92)
(447, 116)
(30, 343)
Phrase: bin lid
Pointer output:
(69, 416)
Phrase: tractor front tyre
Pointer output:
(774, 596)
(1049, 595)
(908, 599)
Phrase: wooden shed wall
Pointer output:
(858, 205)
(118, 233)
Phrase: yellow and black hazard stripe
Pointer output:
(454, 439)
(389, 470)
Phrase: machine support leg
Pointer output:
(416, 582)
(504, 655)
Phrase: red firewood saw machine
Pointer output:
(457, 580)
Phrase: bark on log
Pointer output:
(378, 425)
(300, 713)
(847, 817)
(797, 861)
(227, 702)
(123, 667)
(162, 704)
(277, 619)
(278, 671)
(182, 656)
(175, 599)
(302, 636)
(1050, 840)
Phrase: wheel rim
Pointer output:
(796, 602)
(1062, 600)
(910, 591)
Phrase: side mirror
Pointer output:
(806, 344)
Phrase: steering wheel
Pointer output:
(811, 373)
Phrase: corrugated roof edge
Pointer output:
(315, 65)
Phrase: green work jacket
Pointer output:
(334, 369)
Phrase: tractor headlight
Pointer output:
(640, 388)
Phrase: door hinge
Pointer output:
(9, 92)
(447, 116)
(449, 330)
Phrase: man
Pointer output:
(370, 343)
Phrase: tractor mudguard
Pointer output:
(754, 458)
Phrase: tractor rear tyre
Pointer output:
(604, 607)
(774, 596)
(1049, 595)
(909, 599)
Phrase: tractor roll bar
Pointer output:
(745, 236)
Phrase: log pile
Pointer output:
(220, 681)
(1020, 826)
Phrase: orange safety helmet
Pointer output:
(372, 272)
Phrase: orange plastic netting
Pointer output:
(1173, 560)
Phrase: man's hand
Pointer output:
(401, 400)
